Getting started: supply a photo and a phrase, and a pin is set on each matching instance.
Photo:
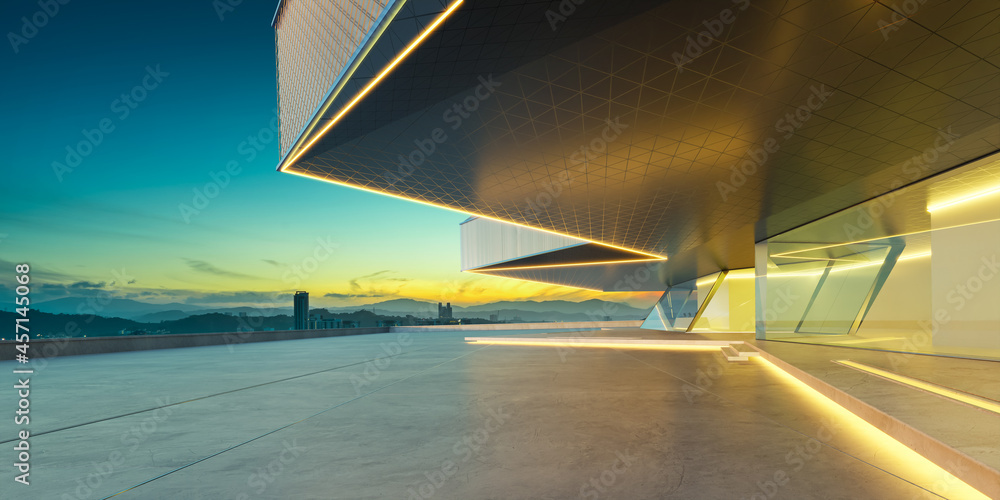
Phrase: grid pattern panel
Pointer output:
(314, 42)
(485, 242)
(655, 186)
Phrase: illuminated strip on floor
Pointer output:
(864, 340)
(935, 479)
(605, 342)
(371, 85)
(931, 476)
(968, 399)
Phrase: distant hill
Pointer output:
(529, 310)
(563, 306)
(405, 306)
(115, 308)
(173, 314)
(80, 325)
(179, 321)
(158, 315)
(176, 314)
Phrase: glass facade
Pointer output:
(913, 271)
(720, 302)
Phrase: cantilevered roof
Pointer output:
(682, 129)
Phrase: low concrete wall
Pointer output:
(50, 348)
(568, 325)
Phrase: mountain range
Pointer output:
(530, 310)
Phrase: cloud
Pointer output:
(374, 275)
(367, 286)
(275, 299)
(37, 273)
(272, 262)
(350, 295)
(207, 268)
(86, 285)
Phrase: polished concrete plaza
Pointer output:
(427, 415)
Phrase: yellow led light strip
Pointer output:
(939, 206)
(572, 264)
(703, 282)
(824, 259)
(371, 85)
(864, 340)
(738, 274)
(484, 273)
(969, 399)
(923, 472)
(390, 16)
(463, 212)
(847, 268)
(606, 343)
(834, 245)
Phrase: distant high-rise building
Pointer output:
(444, 312)
(301, 310)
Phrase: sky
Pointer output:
(123, 118)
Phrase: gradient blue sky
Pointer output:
(118, 211)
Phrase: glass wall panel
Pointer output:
(675, 309)
(731, 309)
(820, 294)
(912, 271)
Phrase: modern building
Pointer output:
(301, 304)
(444, 311)
(323, 322)
(818, 172)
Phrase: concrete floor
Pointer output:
(971, 430)
(319, 419)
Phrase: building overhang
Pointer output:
(608, 125)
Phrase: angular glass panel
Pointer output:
(676, 308)
(914, 271)
(731, 309)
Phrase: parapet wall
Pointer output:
(50, 348)
(567, 325)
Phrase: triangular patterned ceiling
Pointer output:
(654, 186)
